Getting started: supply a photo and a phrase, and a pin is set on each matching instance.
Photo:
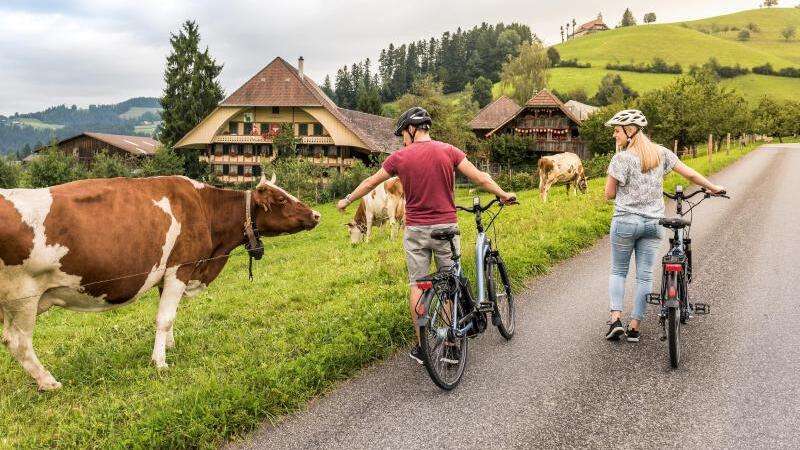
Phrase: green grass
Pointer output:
(147, 130)
(38, 124)
(688, 46)
(318, 311)
(137, 111)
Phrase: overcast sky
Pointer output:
(102, 51)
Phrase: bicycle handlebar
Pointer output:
(476, 208)
(701, 191)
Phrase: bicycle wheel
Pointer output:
(674, 336)
(444, 355)
(499, 289)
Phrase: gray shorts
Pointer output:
(420, 247)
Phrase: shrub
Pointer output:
(743, 35)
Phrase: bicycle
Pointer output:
(448, 311)
(676, 268)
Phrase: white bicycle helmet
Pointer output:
(628, 117)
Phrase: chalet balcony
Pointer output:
(577, 147)
(235, 159)
(543, 123)
(329, 161)
(257, 139)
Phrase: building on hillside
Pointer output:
(86, 146)
(590, 27)
(492, 115)
(238, 136)
(544, 118)
(580, 110)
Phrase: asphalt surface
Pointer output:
(559, 384)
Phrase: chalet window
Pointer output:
(218, 149)
(248, 150)
(346, 152)
(317, 129)
(276, 110)
(257, 171)
(234, 150)
(226, 149)
(303, 129)
(264, 128)
(332, 152)
(226, 169)
(240, 170)
(318, 152)
(248, 171)
(248, 128)
(233, 127)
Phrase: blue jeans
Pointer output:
(632, 233)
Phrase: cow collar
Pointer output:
(252, 241)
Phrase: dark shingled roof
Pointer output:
(493, 114)
(280, 84)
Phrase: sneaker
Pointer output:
(632, 335)
(452, 354)
(416, 354)
(615, 331)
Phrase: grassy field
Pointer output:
(137, 111)
(146, 130)
(318, 311)
(36, 123)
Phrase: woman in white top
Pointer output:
(636, 183)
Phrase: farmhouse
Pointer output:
(590, 27)
(544, 118)
(86, 146)
(238, 136)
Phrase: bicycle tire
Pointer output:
(503, 300)
(674, 336)
(435, 333)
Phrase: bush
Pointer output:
(658, 65)
(9, 173)
(574, 63)
(299, 177)
(164, 162)
(510, 150)
(53, 167)
(743, 35)
(597, 166)
(109, 166)
(752, 26)
(517, 181)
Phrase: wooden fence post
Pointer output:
(710, 146)
(728, 146)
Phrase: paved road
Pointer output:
(558, 384)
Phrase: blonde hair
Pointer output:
(642, 146)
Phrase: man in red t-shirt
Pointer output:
(426, 170)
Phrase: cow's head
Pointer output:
(357, 232)
(582, 184)
(280, 212)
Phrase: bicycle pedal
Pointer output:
(702, 308)
(485, 307)
(654, 299)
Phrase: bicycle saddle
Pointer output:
(674, 222)
(445, 234)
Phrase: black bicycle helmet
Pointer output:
(415, 116)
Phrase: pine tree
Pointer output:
(327, 88)
(627, 19)
(191, 90)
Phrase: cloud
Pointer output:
(93, 51)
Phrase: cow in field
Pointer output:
(96, 245)
(387, 202)
(562, 168)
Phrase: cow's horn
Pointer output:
(263, 180)
(273, 178)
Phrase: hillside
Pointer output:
(23, 132)
(689, 43)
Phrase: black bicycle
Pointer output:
(677, 274)
(448, 311)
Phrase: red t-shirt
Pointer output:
(427, 171)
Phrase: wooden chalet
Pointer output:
(545, 118)
(87, 145)
(238, 136)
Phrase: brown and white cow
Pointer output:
(562, 168)
(95, 245)
(387, 202)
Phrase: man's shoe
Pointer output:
(615, 331)
(416, 354)
(632, 335)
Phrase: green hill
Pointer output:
(689, 43)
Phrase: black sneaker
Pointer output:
(615, 331)
(416, 354)
(632, 335)
(452, 354)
